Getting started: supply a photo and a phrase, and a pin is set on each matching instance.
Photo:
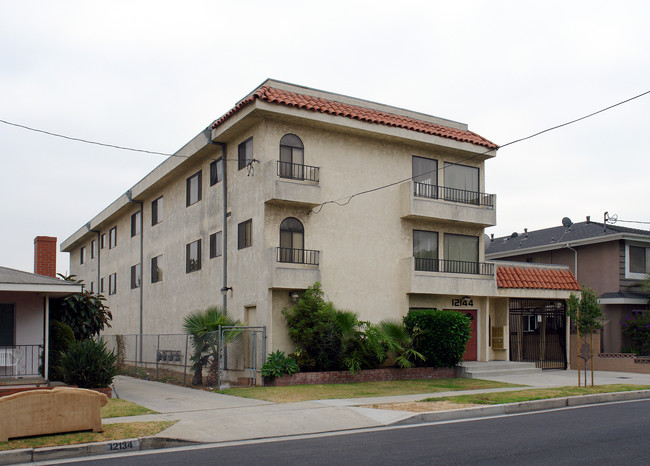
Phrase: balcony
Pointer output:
(426, 201)
(20, 360)
(448, 277)
(292, 268)
(291, 183)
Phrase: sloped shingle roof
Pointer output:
(559, 235)
(331, 107)
(535, 278)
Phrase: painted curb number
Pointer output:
(123, 446)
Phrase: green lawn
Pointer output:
(359, 390)
(536, 394)
(120, 408)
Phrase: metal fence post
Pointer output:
(157, 355)
(187, 338)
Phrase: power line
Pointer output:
(349, 198)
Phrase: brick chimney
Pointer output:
(45, 256)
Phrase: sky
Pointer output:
(152, 75)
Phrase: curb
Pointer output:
(29, 455)
(523, 407)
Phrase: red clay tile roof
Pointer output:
(318, 104)
(535, 278)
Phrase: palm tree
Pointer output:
(203, 326)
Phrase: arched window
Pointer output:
(292, 157)
(292, 241)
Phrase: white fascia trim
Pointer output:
(33, 288)
(622, 301)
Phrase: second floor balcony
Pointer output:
(293, 268)
(448, 277)
(427, 201)
(291, 183)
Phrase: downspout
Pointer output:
(568, 339)
(46, 356)
(141, 204)
(224, 229)
(575, 260)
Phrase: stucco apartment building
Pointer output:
(612, 260)
(260, 205)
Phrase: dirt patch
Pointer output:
(423, 407)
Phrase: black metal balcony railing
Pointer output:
(298, 256)
(432, 191)
(452, 266)
(20, 360)
(296, 171)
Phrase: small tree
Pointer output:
(585, 312)
(203, 327)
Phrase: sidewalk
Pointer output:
(211, 417)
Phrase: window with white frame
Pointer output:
(637, 261)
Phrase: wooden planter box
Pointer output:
(372, 375)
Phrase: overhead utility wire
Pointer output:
(113, 146)
(349, 198)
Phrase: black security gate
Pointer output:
(538, 332)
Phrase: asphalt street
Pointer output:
(613, 433)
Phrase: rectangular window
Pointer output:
(637, 259)
(461, 253)
(92, 287)
(157, 211)
(193, 256)
(93, 248)
(112, 283)
(82, 255)
(101, 285)
(216, 171)
(461, 183)
(135, 223)
(156, 269)
(245, 153)
(112, 238)
(425, 177)
(136, 276)
(215, 244)
(193, 189)
(425, 250)
(102, 241)
(245, 234)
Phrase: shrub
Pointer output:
(312, 327)
(61, 337)
(278, 364)
(89, 364)
(439, 336)
(637, 329)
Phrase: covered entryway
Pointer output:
(538, 332)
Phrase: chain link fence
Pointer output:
(172, 358)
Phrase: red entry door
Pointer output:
(470, 349)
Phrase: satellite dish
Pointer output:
(514, 235)
(566, 221)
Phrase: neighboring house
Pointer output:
(236, 218)
(24, 312)
(610, 259)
